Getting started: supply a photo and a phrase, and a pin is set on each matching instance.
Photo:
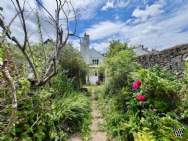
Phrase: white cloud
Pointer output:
(115, 4)
(16, 27)
(104, 29)
(149, 11)
(109, 4)
(150, 26)
(85, 8)
(160, 31)
(101, 46)
(122, 4)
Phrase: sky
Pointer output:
(156, 24)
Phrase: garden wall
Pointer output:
(172, 59)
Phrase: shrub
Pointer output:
(183, 107)
(161, 93)
(163, 73)
(70, 111)
(118, 68)
(73, 65)
(144, 112)
(49, 113)
(62, 84)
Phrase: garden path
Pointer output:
(97, 134)
(75, 137)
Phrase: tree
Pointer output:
(119, 63)
(62, 31)
(74, 66)
(115, 47)
(59, 20)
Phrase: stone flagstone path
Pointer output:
(96, 133)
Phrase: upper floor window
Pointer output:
(95, 61)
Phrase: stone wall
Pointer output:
(172, 59)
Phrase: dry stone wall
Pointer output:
(172, 59)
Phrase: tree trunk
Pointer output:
(9, 79)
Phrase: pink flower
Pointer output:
(136, 84)
(140, 97)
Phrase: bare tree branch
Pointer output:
(7, 32)
(23, 23)
(47, 11)
(12, 20)
(13, 38)
(63, 7)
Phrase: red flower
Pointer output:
(140, 97)
(136, 84)
(139, 82)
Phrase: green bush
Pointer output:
(62, 84)
(162, 94)
(49, 113)
(72, 63)
(119, 65)
(152, 119)
(70, 111)
(183, 107)
(163, 73)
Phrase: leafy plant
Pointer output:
(144, 113)
(73, 65)
(161, 92)
(119, 64)
(62, 84)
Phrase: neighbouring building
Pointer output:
(92, 58)
(141, 50)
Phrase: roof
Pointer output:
(92, 53)
(140, 50)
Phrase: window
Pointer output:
(95, 61)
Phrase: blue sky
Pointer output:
(156, 24)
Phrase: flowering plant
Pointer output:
(136, 85)
(140, 98)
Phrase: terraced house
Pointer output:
(92, 58)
